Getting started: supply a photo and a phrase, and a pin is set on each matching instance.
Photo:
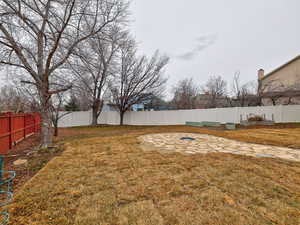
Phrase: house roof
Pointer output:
(281, 67)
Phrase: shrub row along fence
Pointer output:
(278, 114)
(16, 127)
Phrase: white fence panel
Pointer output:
(76, 119)
(102, 118)
(280, 114)
(200, 115)
(111, 118)
(227, 115)
(291, 114)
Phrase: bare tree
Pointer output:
(57, 110)
(185, 94)
(11, 99)
(38, 36)
(216, 88)
(81, 96)
(243, 94)
(137, 78)
(93, 67)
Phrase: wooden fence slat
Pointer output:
(16, 127)
(10, 131)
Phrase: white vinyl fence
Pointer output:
(280, 114)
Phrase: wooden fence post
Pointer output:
(34, 128)
(10, 130)
(24, 125)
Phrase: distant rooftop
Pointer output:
(284, 65)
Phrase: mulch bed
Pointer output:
(242, 127)
(27, 149)
(275, 126)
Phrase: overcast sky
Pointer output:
(218, 37)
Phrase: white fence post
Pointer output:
(237, 115)
(281, 113)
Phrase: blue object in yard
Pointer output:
(203, 124)
(187, 139)
(194, 124)
(211, 124)
(138, 107)
(5, 190)
(230, 126)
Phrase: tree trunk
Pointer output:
(94, 117)
(55, 128)
(122, 118)
(46, 126)
(46, 129)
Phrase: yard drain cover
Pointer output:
(187, 139)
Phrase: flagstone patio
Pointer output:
(172, 142)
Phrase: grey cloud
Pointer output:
(202, 43)
(188, 55)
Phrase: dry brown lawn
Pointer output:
(104, 178)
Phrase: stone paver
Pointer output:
(171, 142)
(20, 162)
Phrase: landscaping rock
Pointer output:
(31, 153)
(20, 162)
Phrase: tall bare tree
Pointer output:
(94, 66)
(185, 94)
(243, 94)
(216, 88)
(137, 78)
(11, 99)
(38, 36)
(57, 110)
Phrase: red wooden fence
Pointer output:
(16, 127)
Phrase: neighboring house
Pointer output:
(138, 107)
(141, 106)
(110, 107)
(206, 101)
(203, 101)
(157, 104)
(244, 101)
(151, 103)
(281, 86)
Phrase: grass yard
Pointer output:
(104, 178)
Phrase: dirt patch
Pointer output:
(36, 159)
